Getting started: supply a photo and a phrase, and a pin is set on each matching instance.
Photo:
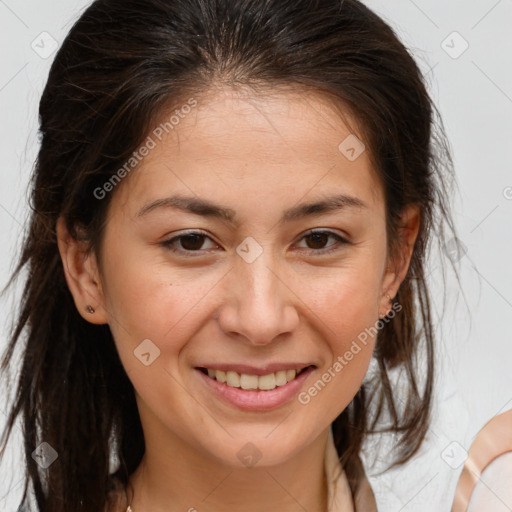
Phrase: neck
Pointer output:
(174, 477)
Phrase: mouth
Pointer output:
(255, 382)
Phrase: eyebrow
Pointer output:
(209, 209)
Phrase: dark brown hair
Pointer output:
(124, 62)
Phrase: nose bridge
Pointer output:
(263, 309)
(261, 282)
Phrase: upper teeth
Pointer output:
(244, 381)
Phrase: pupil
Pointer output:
(195, 238)
(318, 238)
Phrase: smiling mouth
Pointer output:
(254, 382)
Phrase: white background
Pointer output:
(474, 94)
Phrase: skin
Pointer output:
(257, 155)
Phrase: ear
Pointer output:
(398, 264)
(82, 275)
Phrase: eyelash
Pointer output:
(168, 244)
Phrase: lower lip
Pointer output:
(257, 400)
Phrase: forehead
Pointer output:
(282, 143)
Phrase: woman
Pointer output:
(294, 143)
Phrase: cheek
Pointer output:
(349, 338)
(346, 306)
(350, 316)
(346, 300)
(147, 298)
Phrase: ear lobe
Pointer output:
(82, 276)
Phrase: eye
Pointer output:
(192, 242)
(319, 238)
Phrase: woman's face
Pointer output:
(253, 291)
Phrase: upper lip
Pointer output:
(254, 370)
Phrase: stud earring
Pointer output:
(89, 309)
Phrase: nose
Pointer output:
(260, 303)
